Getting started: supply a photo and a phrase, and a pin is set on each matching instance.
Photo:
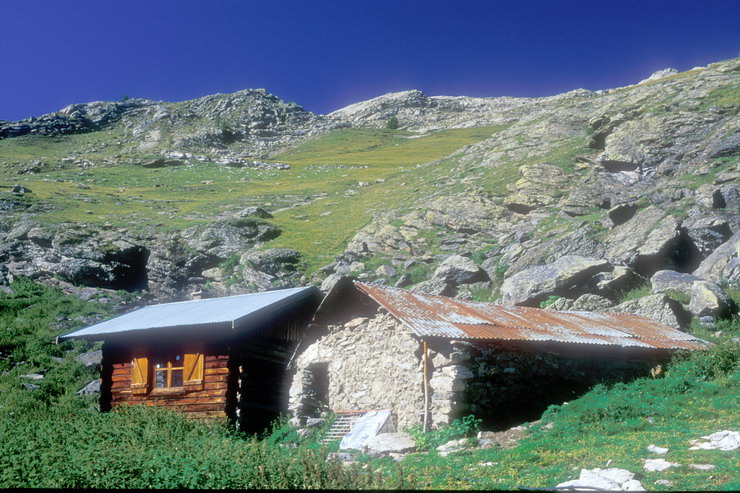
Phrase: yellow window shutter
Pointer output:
(140, 375)
(194, 366)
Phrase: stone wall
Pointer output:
(369, 363)
(377, 363)
(505, 385)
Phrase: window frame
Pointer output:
(168, 355)
(144, 371)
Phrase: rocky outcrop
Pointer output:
(709, 300)
(561, 278)
(658, 307)
(723, 264)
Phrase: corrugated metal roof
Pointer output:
(438, 316)
(207, 312)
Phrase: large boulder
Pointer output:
(658, 307)
(273, 261)
(670, 280)
(709, 232)
(651, 241)
(723, 264)
(709, 300)
(457, 269)
(585, 303)
(386, 443)
(561, 278)
(612, 284)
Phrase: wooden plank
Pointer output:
(218, 384)
(219, 357)
(217, 371)
(224, 377)
(203, 407)
(216, 364)
(207, 414)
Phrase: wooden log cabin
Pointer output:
(211, 358)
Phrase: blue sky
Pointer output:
(326, 54)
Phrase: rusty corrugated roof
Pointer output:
(439, 316)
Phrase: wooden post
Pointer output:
(426, 391)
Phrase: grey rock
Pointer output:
(603, 479)
(457, 269)
(652, 465)
(670, 280)
(658, 307)
(587, 302)
(5, 276)
(385, 443)
(92, 388)
(33, 376)
(726, 440)
(648, 242)
(274, 260)
(90, 358)
(560, 278)
(622, 213)
(386, 270)
(708, 299)
(439, 287)
(709, 232)
(723, 264)
(254, 211)
(612, 284)
(330, 281)
(20, 189)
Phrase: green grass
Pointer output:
(384, 147)
(612, 427)
(53, 438)
(325, 175)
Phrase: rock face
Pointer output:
(642, 177)
(658, 307)
(723, 264)
(709, 300)
(530, 287)
(670, 280)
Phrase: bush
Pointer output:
(459, 428)
(145, 447)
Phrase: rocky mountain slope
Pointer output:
(571, 201)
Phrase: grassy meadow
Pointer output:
(52, 437)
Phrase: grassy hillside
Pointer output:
(335, 183)
(52, 437)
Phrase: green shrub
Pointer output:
(459, 428)
(640, 291)
(549, 301)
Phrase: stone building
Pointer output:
(431, 359)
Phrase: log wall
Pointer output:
(211, 402)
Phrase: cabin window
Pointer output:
(167, 368)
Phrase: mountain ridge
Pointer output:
(644, 176)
